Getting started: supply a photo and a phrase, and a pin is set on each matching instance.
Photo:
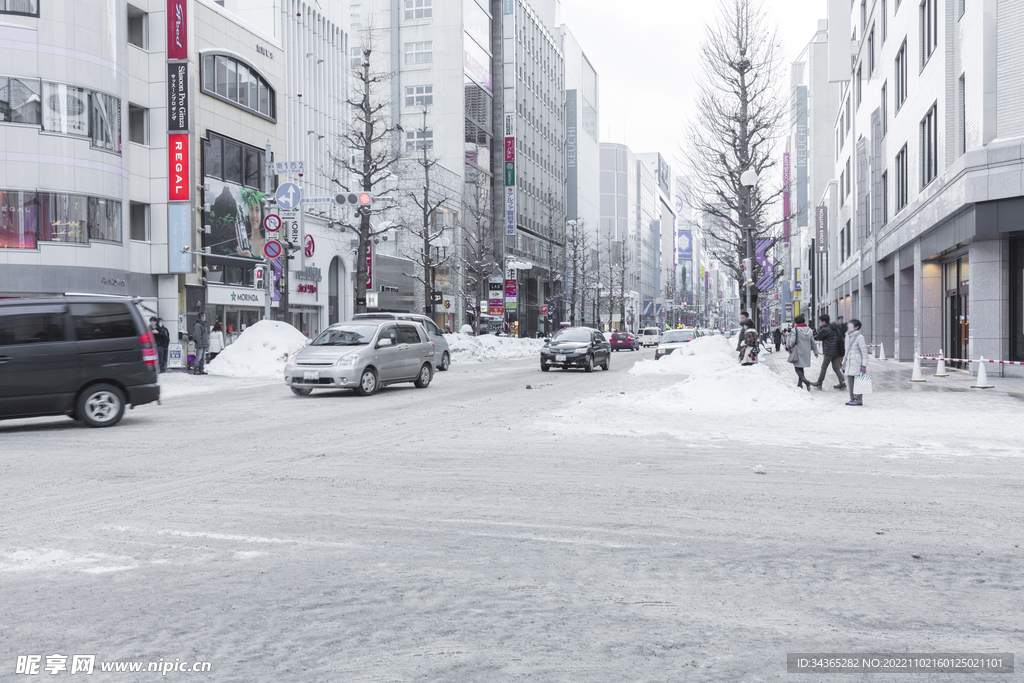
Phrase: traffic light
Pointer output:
(354, 199)
(259, 273)
(748, 276)
(289, 248)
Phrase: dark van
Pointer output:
(83, 357)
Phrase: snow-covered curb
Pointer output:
(467, 348)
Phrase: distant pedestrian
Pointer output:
(830, 336)
(800, 348)
(749, 344)
(777, 338)
(162, 338)
(201, 337)
(216, 340)
(856, 360)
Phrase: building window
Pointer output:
(901, 179)
(233, 161)
(26, 7)
(355, 58)
(419, 53)
(849, 177)
(885, 197)
(859, 85)
(871, 52)
(849, 239)
(963, 8)
(929, 12)
(105, 122)
(419, 95)
(885, 20)
(20, 100)
(418, 9)
(138, 27)
(901, 76)
(929, 146)
(355, 15)
(863, 16)
(962, 109)
(885, 108)
(139, 219)
(849, 117)
(234, 81)
(27, 218)
(842, 189)
(138, 124)
(419, 140)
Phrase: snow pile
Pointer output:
(260, 351)
(734, 389)
(466, 347)
(704, 352)
(466, 329)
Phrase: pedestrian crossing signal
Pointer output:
(354, 199)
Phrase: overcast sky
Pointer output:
(646, 56)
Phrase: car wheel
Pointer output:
(101, 405)
(367, 383)
(445, 362)
(301, 391)
(589, 367)
(545, 368)
(423, 379)
(607, 362)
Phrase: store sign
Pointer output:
(306, 289)
(179, 234)
(821, 229)
(510, 211)
(309, 273)
(177, 97)
(177, 168)
(369, 266)
(510, 174)
(177, 29)
(234, 296)
(510, 289)
(571, 197)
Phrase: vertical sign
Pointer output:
(570, 156)
(177, 29)
(369, 266)
(179, 236)
(510, 174)
(785, 197)
(178, 189)
(821, 229)
(801, 156)
(177, 97)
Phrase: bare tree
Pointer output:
(618, 261)
(432, 199)
(554, 220)
(477, 256)
(579, 270)
(739, 114)
(369, 156)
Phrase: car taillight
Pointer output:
(148, 350)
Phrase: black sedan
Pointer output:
(576, 347)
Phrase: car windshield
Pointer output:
(572, 335)
(346, 335)
(678, 335)
(649, 332)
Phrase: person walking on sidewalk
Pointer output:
(855, 364)
(841, 350)
(201, 335)
(777, 338)
(216, 340)
(749, 344)
(800, 348)
(829, 335)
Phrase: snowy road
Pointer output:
(482, 531)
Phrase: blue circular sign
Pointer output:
(288, 196)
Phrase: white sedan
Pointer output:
(672, 340)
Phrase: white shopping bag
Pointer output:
(862, 385)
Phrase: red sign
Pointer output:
(309, 247)
(308, 289)
(369, 266)
(177, 168)
(272, 249)
(495, 310)
(510, 289)
(177, 29)
(510, 149)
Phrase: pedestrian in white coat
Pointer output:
(216, 340)
(856, 359)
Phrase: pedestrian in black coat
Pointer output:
(777, 338)
(830, 337)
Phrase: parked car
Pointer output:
(363, 355)
(624, 340)
(650, 336)
(672, 340)
(85, 357)
(576, 347)
(444, 354)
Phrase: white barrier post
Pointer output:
(881, 351)
(982, 382)
(916, 377)
(940, 369)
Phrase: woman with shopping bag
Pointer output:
(800, 346)
(855, 364)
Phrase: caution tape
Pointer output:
(968, 360)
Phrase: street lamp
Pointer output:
(748, 179)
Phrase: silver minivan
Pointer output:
(363, 355)
(444, 356)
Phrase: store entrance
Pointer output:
(957, 335)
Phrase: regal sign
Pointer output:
(177, 168)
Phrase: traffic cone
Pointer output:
(982, 382)
(881, 351)
(940, 369)
(916, 377)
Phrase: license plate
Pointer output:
(559, 359)
(310, 375)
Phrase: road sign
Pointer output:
(436, 297)
(288, 196)
(317, 200)
(282, 167)
(272, 249)
(309, 247)
(272, 223)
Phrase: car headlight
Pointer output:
(350, 359)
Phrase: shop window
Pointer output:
(63, 218)
(104, 220)
(20, 100)
(139, 217)
(138, 27)
(17, 220)
(238, 83)
(138, 124)
(105, 122)
(27, 7)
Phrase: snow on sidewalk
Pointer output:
(260, 351)
(703, 352)
(467, 348)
